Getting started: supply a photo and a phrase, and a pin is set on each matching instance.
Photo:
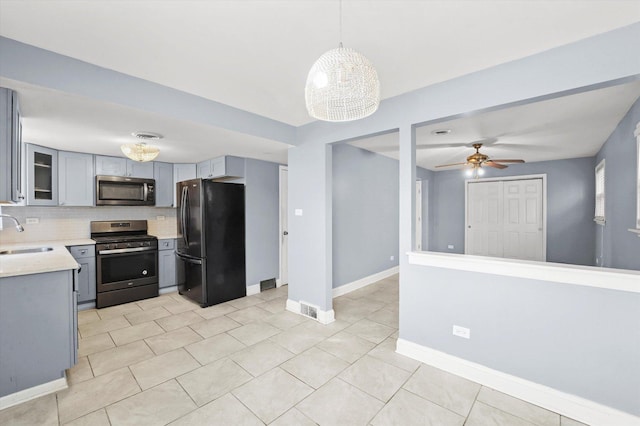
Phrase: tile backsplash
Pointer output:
(63, 223)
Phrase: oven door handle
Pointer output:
(126, 250)
(189, 259)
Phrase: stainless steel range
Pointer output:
(126, 262)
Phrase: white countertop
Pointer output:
(58, 259)
(165, 236)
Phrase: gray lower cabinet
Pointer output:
(38, 329)
(76, 183)
(166, 262)
(85, 256)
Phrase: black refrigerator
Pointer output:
(210, 250)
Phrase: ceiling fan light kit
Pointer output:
(342, 85)
(477, 160)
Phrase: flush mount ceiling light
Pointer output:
(342, 85)
(141, 151)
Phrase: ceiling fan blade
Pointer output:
(507, 161)
(494, 165)
(454, 164)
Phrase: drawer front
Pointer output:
(166, 244)
(78, 252)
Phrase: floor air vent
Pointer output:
(267, 284)
(308, 310)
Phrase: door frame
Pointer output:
(542, 176)
(418, 215)
(281, 201)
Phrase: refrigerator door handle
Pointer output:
(183, 210)
(189, 259)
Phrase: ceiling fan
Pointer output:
(478, 160)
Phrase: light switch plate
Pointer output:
(298, 212)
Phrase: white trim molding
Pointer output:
(33, 393)
(363, 282)
(568, 405)
(590, 276)
(253, 289)
(324, 317)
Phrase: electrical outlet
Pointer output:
(160, 218)
(392, 258)
(32, 220)
(461, 332)
(450, 247)
(297, 212)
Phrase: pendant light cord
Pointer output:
(340, 26)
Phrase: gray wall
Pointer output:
(579, 66)
(262, 220)
(567, 337)
(570, 206)
(365, 213)
(615, 246)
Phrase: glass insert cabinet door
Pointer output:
(42, 176)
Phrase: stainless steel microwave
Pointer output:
(125, 191)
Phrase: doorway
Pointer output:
(506, 217)
(284, 227)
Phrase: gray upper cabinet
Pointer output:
(182, 172)
(76, 185)
(219, 167)
(163, 174)
(117, 166)
(110, 166)
(11, 190)
(42, 176)
(140, 170)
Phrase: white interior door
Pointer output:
(484, 219)
(506, 219)
(419, 215)
(523, 224)
(284, 227)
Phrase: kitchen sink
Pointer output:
(29, 250)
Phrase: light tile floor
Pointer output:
(250, 362)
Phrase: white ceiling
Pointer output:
(255, 55)
(74, 123)
(567, 127)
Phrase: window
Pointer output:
(600, 179)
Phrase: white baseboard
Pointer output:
(253, 289)
(324, 317)
(33, 393)
(568, 405)
(363, 282)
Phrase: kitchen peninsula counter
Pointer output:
(58, 259)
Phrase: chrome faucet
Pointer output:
(19, 227)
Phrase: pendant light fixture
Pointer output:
(342, 85)
(141, 151)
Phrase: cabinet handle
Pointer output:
(83, 252)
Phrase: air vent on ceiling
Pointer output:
(147, 136)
